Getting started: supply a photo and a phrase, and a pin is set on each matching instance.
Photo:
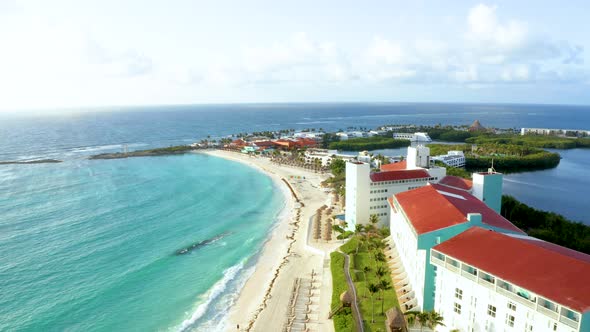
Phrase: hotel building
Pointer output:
(367, 192)
(489, 281)
(424, 217)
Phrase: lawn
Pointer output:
(343, 320)
(367, 260)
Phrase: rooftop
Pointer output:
(434, 207)
(456, 182)
(553, 274)
(399, 175)
(394, 167)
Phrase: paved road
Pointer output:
(355, 307)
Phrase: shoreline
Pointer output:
(285, 255)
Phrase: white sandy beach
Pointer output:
(263, 302)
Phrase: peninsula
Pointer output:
(26, 162)
(180, 149)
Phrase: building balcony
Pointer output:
(516, 297)
(569, 322)
(547, 312)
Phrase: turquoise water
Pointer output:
(90, 245)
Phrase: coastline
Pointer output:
(263, 300)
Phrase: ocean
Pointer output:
(93, 244)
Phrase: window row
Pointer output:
(377, 199)
(378, 191)
(377, 207)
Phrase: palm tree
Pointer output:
(380, 272)
(373, 289)
(434, 319)
(383, 286)
(422, 318)
(411, 317)
(365, 270)
(374, 219)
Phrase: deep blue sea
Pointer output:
(90, 244)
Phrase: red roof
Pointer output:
(286, 143)
(264, 144)
(470, 204)
(303, 142)
(435, 206)
(557, 248)
(238, 142)
(395, 166)
(399, 175)
(457, 182)
(428, 210)
(555, 276)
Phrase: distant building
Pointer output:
(367, 192)
(325, 156)
(555, 132)
(452, 158)
(415, 137)
(351, 134)
(309, 134)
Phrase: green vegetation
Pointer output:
(450, 134)
(337, 181)
(430, 319)
(507, 158)
(371, 274)
(537, 141)
(548, 226)
(343, 320)
(328, 139)
(369, 143)
(145, 153)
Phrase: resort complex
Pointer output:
(451, 251)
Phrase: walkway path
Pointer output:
(355, 307)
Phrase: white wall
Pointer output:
(474, 308)
(413, 260)
(357, 193)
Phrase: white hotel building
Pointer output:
(367, 192)
(489, 281)
(453, 253)
(423, 218)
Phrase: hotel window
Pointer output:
(457, 308)
(491, 310)
(511, 306)
(458, 293)
(474, 301)
(510, 320)
(528, 327)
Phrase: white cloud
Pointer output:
(297, 59)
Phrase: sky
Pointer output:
(68, 54)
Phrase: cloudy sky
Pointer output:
(94, 53)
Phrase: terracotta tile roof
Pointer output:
(302, 142)
(470, 204)
(395, 166)
(549, 273)
(457, 182)
(399, 175)
(557, 248)
(428, 210)
(435, 206)
(264, 144)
